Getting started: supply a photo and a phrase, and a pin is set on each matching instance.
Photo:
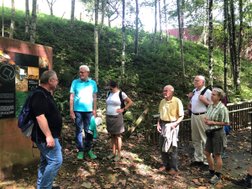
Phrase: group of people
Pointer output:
(83, 112)
(209, 116)
(83, 106)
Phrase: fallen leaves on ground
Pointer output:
(138, 167)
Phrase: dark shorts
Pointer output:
(214, 144)
(115, 124)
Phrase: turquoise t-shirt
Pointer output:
(83, 94)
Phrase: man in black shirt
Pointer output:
(47, 129)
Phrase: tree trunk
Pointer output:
(109, 22)
(50, 4)
(33, 21)
(181, 37)
(182, 32)
(96, 42)
(155, 22)
(240, 36)
(225, 42)
(12, 24)
(204, 34)
(166, 20)
(123, 39)
(27, 17)
(210, 41)
(160, 19)
(182, 9)
(2, 18)
(136, 31)
(72, 10)
(232, 40)
(104, 4)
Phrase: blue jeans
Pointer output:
(50, 162)
(82, 121)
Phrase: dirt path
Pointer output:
(138, 168)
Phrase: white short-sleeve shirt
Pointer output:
(113, 102)
(197, 105)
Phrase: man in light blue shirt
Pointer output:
(83, 100)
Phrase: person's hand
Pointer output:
(211, 123)
(94, 113)
(202, 98)
(72, 116)
(205, 120)
(121, 110)
(189, 95)
(50, 143)
(208, 122)
(159, 128)
(172, 125)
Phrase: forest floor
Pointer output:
(139, 166)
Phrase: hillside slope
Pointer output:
(156, 65)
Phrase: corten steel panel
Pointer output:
(15, 149)
(15, 46)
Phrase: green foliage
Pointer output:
(156, 65)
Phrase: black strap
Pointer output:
(204, 90)
(121, 98)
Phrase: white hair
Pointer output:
(220, 92)
(171, 88)
(201, 77)
(85, 67)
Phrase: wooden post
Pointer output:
(250, 114)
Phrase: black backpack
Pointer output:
(122, 101)
(25, 118)
(204, 90)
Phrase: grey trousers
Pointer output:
(170, 158)
(199, 137)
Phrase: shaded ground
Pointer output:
(139, 166)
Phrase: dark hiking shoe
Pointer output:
(245, 182)
(208, 174)
(196, 164)
(204, 167)
(56, 187)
